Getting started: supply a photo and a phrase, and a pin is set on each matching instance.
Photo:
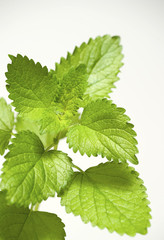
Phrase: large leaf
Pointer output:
(102, 57)
(6, 124)
(104, 130)
(110, 196)
(23, 224)
(31, 174)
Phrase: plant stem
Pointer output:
(49, 147)
(32, 207)
(55, 146)
(36, 207)
(78, 168)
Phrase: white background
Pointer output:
(46, 30)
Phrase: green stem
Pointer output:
(55, 146)
(36, 207)
(78, 168)
(49, 147)
(32, 208)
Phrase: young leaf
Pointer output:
(6, 124)
(23, 224)
(104, 130)
(110, 196)
(31, 174)
(72, 88)
(64, 110)
(102, 57)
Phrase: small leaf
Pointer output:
(6, 124)
(23, 224)
(109, 196)
(31, 174)
(102, 57)
(72, 88)
(104, 130)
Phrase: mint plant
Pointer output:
(110, 195)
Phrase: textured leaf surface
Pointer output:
(33, 92)
(110, 196)
(102, 57)
(72, 88)
(30, 174)
(6, 124)
(21, 224)
(104, 130)
(42, 98)
(29, 84)
(64, 110)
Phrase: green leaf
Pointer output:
(104, 130)
(102, 57)
(33, 92)
(31, 174)
(23, 224)
(6, 124)
(109, 196)
(29, 85)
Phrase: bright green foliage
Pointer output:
(49, 106)
(104, 130)
(64, 111)
(6, 124)
(29, 85)
(33, 91)
(110, 196)
(23, 224)
(31, 174)
(102, 57)
(43, 98)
